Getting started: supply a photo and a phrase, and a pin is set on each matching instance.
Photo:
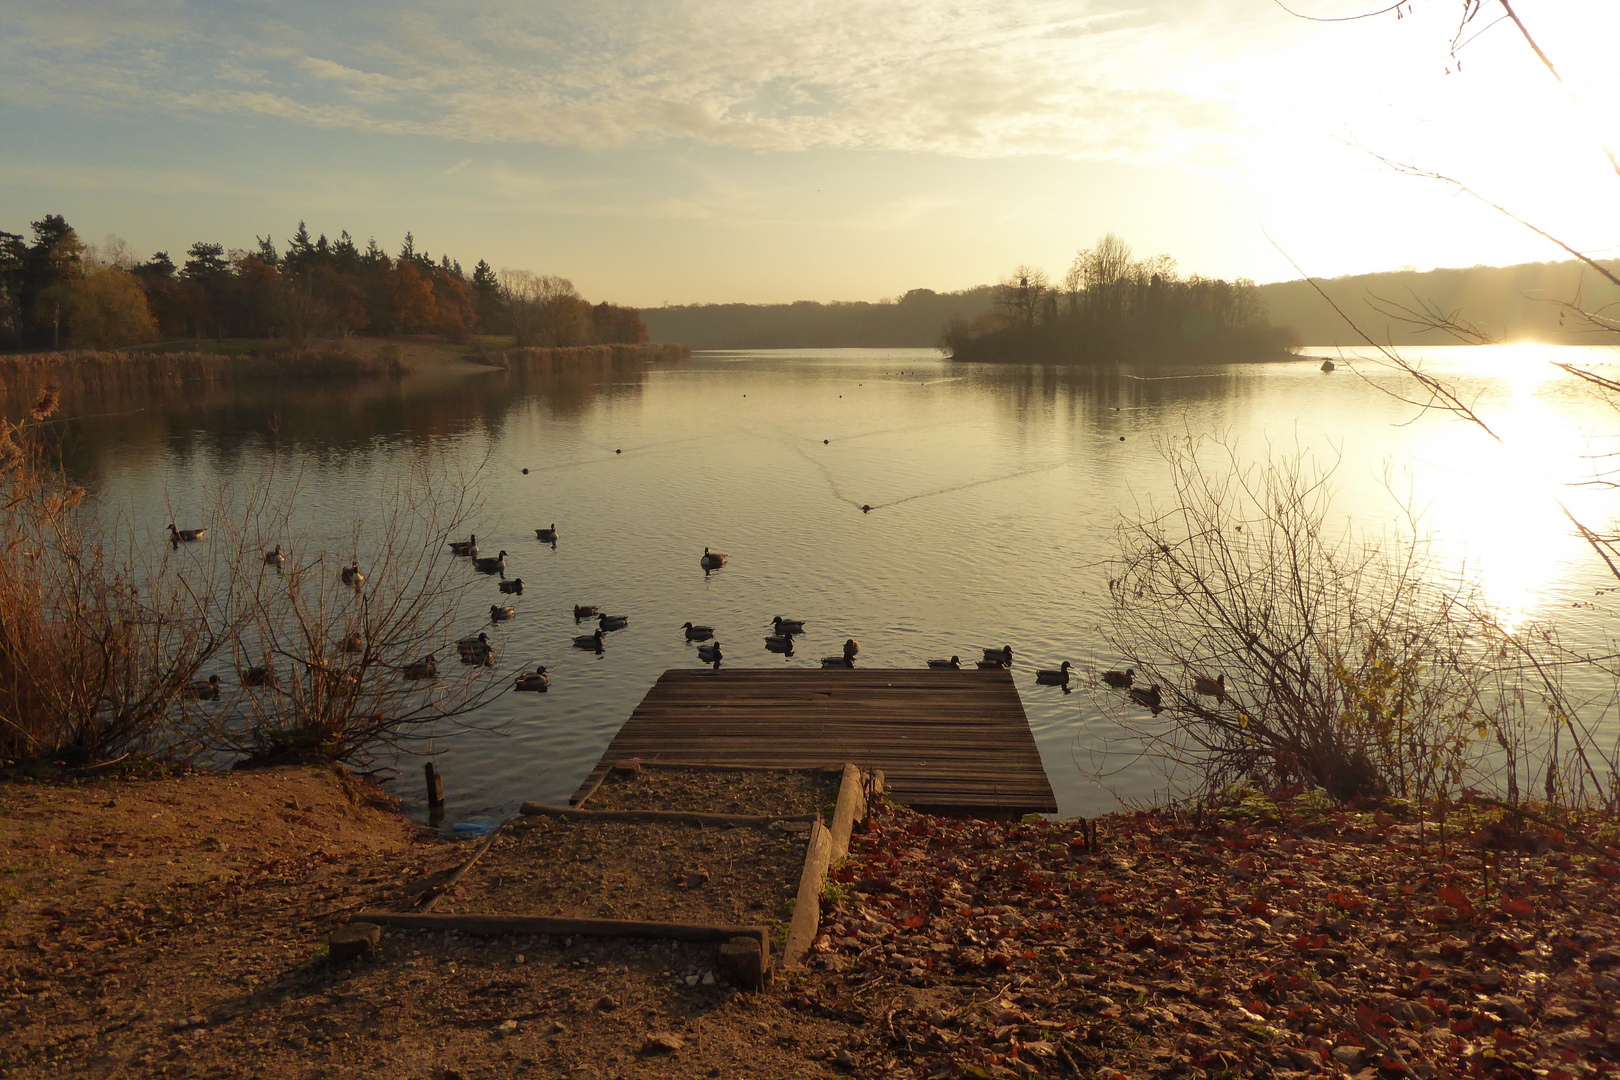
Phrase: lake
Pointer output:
(994, 494)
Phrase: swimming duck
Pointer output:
(201, 690)
(712, 560)
(994, 658)
(425, 668)
(548, 536)
(613, 622)
(187, 536)
(788, 626)
(515, 586)
(851, 647)
(468, 546)
(1150, 697)
(1215, 688)
(537, 680)
(591, 641)
(492, 565)
(353, 643)
(782, 643)
(697, 633)
(501, 612)
(953, 664)
(585, 611)
(475, 650)
(353, 576)
(711, 654)
(275, 557)
(1120, 680)
(1060, 677)
(259, 676)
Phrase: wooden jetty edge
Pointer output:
(947, 742)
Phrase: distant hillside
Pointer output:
(1508, 301)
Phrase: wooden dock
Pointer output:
(950, 742)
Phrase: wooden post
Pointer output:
(435, 785)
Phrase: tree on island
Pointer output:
(1112, 308)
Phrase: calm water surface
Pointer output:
(994, 491)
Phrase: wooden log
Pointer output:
(501, 925)
(675, 817)
(851, 806)
(745, 963)
(430, 896)
(435, 784)
(807, 908)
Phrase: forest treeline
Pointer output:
(1113, 308)
(58, 292)
(914, 319)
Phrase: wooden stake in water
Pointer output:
(435, 785)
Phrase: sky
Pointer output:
(678, 151)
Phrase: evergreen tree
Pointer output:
(267, 251)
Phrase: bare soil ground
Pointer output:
(719, 791)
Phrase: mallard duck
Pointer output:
(353, 643)
(189, 536)
(492, 565)
(425, 668)
(1120, 680)
(537, 680)
(851, 647)
(953, 664)
(547, 536)
(697, 633)
(1149, 697)
(353, 576)
(275, 557)
(613, 622)
(585, 611)
(782, 643)
(259, 676)
(994, 658)
(501, 612)
(468, 546)
(1215, 688)
(712, 560)
(202, 690)
(788, 626)
(1060, 677)
(711, 654)
(475, 650)
(515, 586)
(592, 641)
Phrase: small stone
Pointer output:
(1604, 958)
(663, 1042)
(607, 1003)
(355, 940)
(197, 1021)
(844, 1059)
(692, 879)
(518, 959)
(708, 978)
(1348, 1056)
(507, 1027)
(691, 980)
(761, 1028)
(556, 1029)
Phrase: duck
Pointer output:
(425, 668)
(260, 676)
(585, 611)
(475, 650)
(501, 612)
(203, 690)
(697, 633)
(711, 654)
(275, 557)
(1120, 680)
(353, 576)
(468, 546)
(851, 647)
(1060, 677)
(613, 622)
(782, 643)
(548, 536)
(712, 560)
(1215, 688)
(788, 626)
(492, 564)
(953, 664)
(537, 680)
(1151, 698)
(515, 586)
(997, 658)
(354, 643)
(592, 641)
(190, 536)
